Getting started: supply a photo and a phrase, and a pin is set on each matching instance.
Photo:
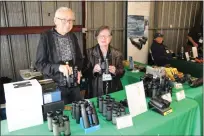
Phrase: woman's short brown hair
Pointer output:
(101, 28)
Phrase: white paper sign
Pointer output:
(23, 104)
(180, 95)
(167, 97)
(107, 77)
(124, 121)
(187, 56)
(136, 98)
(195, 52)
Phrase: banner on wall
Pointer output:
(137, 27)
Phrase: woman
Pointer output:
(94, 71)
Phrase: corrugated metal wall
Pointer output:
(17, 51)
(106, 13)
(181, 15)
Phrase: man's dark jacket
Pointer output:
(159, 54)
(47, 60)
(115, 58)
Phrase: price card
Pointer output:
(167, 97)
(178, 85)
(187, 56)
(180, 95)
(106, 77)
(124, 121)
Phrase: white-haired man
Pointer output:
(56, 47)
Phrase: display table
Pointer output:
(191, 93)
(188, 67)
(197, 95)
(185, 120)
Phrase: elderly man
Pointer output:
(58, 51)
(159, 52)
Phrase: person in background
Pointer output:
(57, 47)
(92, 68)
(195, 37)
(159, 53)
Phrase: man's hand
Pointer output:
(112, 69)
(97, 68)
(65, 69)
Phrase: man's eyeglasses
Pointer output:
(65, 20)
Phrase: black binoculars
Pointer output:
(104, 66)
(72, 78)
(155, 87)
(85, 110)
(110, 108)
(159, 103)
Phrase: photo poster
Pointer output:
(137, 27)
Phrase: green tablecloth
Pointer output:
(197, 95)
(192, 93)
(131, 77)
(185, 120)
(187, 67)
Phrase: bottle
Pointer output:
(182, 52)
(31, 67)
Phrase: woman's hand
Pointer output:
(112, 69)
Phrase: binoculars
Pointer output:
(109, 108)
(58, 123)
(104, 66)
(86, 111)
(159, 103)
(71, 80)
(142, 41)
(155, 87)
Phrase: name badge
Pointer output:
(180, 95)
(106, 77)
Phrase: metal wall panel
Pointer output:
(19, 54)
(63, 4)
(33, 44)
(48, 12)
(76, 7)
(181, 16)
(15, 15)
(32, 13)
(2, 15)
(6, 67)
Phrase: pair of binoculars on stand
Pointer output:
(110, 108)
(85, 110)
(58, 123)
